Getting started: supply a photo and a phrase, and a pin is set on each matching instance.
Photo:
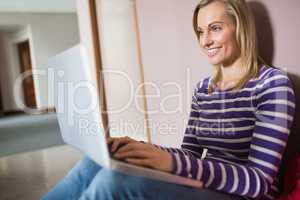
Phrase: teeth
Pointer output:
(212, 52)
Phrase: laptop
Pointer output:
(79, 117)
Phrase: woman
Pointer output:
(241, 115)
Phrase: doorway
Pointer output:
(1, 104)
(26, 66)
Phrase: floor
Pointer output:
(23, 133)
(33, 156)
(27, 176)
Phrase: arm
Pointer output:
(274, 116)
(186, 148)
(158, 157)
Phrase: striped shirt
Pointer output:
(245, 133)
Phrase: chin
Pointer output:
(218, 60)
(215, 62)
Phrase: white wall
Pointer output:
(10, 68)
(49, 34)
(122, 72)
(5, 74)
(38, 6)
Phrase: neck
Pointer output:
(233, 71)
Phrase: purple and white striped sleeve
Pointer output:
(188, 146)
(274, 116)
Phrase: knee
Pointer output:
(105, 185)
(87, 164)
(110, 185)
(115, 183)
(114, 180)
(84, 170)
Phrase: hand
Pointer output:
(144, 154)
(118, 142)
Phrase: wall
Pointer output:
(50, 34)
(169, 48)
(173, 64)
(10, 68)
(4, 74)
(278, 30)
(122, 71)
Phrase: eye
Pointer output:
(216, 28)
(200, 33)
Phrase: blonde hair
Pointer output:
(245, 35)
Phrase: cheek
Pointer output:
(227, 39)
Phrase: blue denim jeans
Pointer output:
(89, 181)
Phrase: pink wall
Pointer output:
(280, 22)
(279, 30)
(169, 50)
(169, 47)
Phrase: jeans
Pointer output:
(87, 181)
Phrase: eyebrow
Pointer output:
(212, 23)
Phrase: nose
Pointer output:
(206, 40)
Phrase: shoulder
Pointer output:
(274, 83)
(202, 86)
(270, 77)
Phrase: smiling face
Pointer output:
(217, 34)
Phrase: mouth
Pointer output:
(213, 51)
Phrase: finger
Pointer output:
(115, 145)
(119, 142)
(132, 146)
(109, 140)
(133, 154)
(140, 162)
(124, 148)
